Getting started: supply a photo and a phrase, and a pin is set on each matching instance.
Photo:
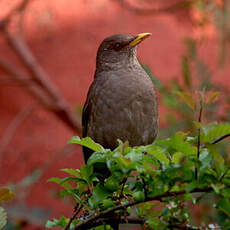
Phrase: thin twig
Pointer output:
(220, 139)
(85, 223)
(122, 188)
(77, 209)
(199, 134)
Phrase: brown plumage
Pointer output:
(121, 102)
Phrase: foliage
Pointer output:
(153, 185)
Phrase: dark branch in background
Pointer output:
(42, 84)
(167, 9)
(106, 214)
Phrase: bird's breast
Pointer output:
(123, 108)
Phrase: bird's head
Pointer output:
(118, 50)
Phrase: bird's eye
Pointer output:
(117, 46)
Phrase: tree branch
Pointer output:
(104, 214)
(220, 139)
(77, 209)
(60, 107)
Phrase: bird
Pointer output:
(121, 102)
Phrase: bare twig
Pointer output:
(150, 11)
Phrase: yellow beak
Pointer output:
(139, 38)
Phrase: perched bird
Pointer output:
(121, 102)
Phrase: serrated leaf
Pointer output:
(188, 99)
(5, 194)
(87, 142)
(3, 218)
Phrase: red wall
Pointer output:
(64, 36)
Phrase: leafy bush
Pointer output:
(156, 185)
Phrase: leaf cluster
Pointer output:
(154, 184)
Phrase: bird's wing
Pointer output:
(85, 118)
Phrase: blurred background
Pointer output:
(47, 62)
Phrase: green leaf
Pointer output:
(74, 172)
(177, 157)
(192, 186)
(178, 143)
(99, 195)
(107, 203)
(219, 161)
(96, 157)
(158, 154)
(86, 172)
(225, 192)
(205, 159)
(224, 206)
(62, 222)
(60, 182)
(3, 218)
(154, 223)
(214, 131)
(87, 142)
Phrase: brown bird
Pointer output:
(121, 102)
